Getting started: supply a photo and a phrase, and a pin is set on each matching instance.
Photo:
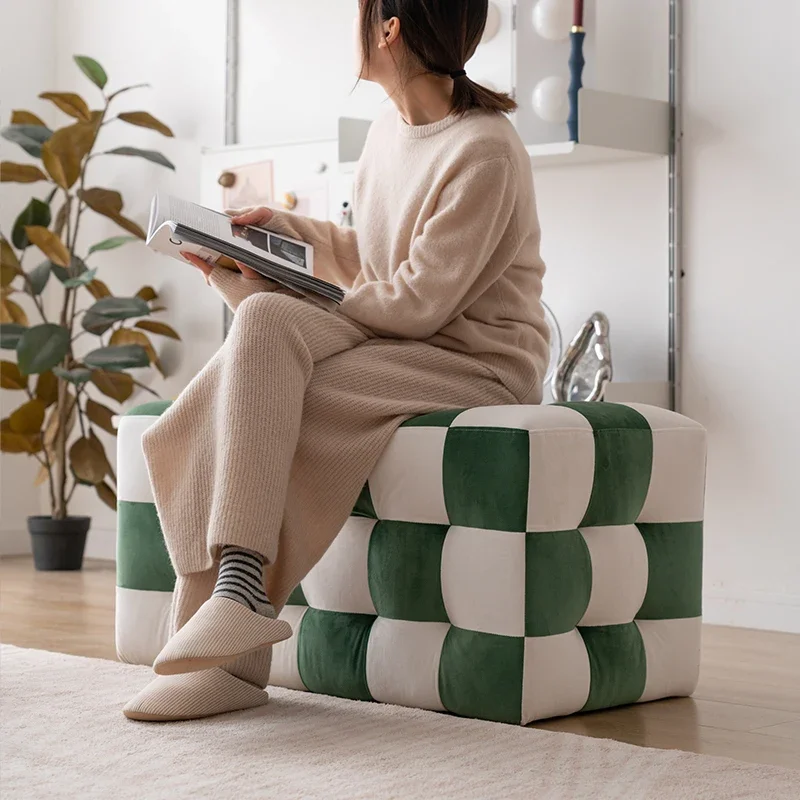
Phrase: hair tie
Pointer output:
(459, 73)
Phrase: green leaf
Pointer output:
(50, 244)
(11, 378)
(107, 495)
(161, 328)
(11, 172)
(92, 70)
(29, 137)
(147, 293)
(36, 213)
(104, 313)
(70, 103)
(39, 276)
(118, 358)
(64, 274)
(76, 375)
(144, 119)
(41, 348)
(128, 89)
(117, 385)
(111, 244)
(9, 263)
(10, 334)
(109, 203)
(101, 415)
(150, 155)
(19, 117)
(47, 388)
(28, 418)
(88, 461)
(82, 280)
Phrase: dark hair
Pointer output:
(441, 36)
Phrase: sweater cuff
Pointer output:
(235, 288)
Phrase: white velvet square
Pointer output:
(403, 662)
(556, 676)
(483, 580)
(407, 483)
(339, 581)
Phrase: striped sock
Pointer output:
(241, 578)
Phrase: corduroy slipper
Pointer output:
(220, 631)
(201, 694)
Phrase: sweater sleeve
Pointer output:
(336, 256)
(235, 288)
(452, 254)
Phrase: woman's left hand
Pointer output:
(207, 268)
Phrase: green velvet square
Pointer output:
(675, 570)
(480, 675)
(142, 559)
(618, 665)
(438, 419)
(297, 597)
(364, 506)
(405, 570)
(332, 653)
(623, 463)
(485, 476)
(558, 582)
(153, 409)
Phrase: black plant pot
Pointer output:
(58, 544)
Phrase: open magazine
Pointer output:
(177, 225)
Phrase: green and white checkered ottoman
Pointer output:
(508, 563)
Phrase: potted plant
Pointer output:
(81, 349)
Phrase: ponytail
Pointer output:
(468, 95)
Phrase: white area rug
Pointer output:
(65, 737)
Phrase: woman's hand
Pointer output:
(257, 217)
(207, 268)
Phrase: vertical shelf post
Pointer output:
(676, 271)
(231, 101)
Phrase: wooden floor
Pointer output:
(747, 705)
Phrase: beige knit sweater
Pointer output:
(446, 245)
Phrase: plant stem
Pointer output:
(147, 389)
(67, 322)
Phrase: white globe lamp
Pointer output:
(550, 100)
(553, 19)
(493, 21)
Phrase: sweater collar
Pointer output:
(424, 131)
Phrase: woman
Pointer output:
(259, 463)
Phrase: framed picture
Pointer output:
(248, 185)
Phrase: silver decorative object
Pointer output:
(586, 369)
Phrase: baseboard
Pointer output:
(102, 544)
(769, 611)
(15, 543)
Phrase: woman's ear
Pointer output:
(390, 32)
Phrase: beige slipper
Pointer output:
(220, 631)
(201, 694)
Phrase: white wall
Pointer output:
(27, 67)
(741, 374)
(297, 70)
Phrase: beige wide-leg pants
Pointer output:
(271, 444)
